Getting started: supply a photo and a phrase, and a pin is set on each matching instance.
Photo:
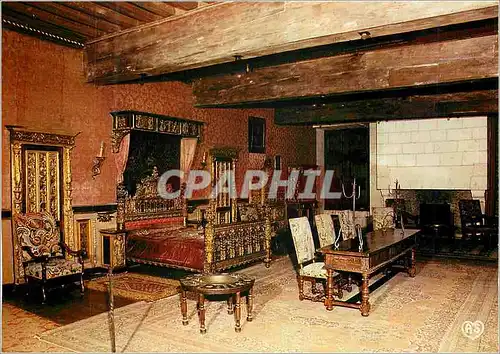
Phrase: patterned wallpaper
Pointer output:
(43, 88)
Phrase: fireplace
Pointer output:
(414, 198)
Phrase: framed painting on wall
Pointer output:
(256, 135)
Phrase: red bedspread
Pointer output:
(176, 246)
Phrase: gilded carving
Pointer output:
(116, 138)
(126, 121)
(41, 191)
(42, 138)
(144, 122)
(219, 153)
(69, 236)
(104, 216)
(118, 251)
(53, 177)
(209, 236)
(16, 177)
(31, 185)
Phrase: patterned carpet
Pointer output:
(137, 286)
(421, 314)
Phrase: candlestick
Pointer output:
(101, 152)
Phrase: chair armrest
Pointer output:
(490, 220)
(42, 258)
(80, 253)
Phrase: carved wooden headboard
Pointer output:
(223, 159)
(147, 206)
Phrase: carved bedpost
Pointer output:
(209, 236)
(16, 200)
(267, 235)
(121, 194)
(67, 200)
(234, 202)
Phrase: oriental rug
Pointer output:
(421, 314)
(137, 286)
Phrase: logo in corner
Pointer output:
(472, 330)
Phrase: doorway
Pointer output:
(347, 153)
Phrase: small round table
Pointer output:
(218, 284)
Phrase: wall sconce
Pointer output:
(204, 160)
(98, 160)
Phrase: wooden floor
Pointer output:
(66, 305)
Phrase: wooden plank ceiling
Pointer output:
(75, 23)
(310, 60)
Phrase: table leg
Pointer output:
(412, 269)
(250, 304)
(201, 312)
(329, 289)
(365, 305)
(184, 307)
(237, 312)
(230, 305)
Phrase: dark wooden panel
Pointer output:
(69, 13)
(83, 209)
(396, 67)
(183, 5)
(45, 16)
(416, 106)
(103, 12)
(159, 8)
(255, 29)
(131, 10)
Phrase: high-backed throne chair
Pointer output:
(475, 224)
(43, 252)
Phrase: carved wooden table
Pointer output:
(218, 284)
(380, 248)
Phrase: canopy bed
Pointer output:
(155, 230)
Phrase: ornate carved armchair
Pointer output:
(309, 268)
(43, 251)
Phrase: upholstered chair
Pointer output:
(325, 228)
(348, 228)
(309, 269)
(383, 218)
(43, 252)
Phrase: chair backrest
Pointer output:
(39, 232)
(347, 224)
(326, 230)
(470, 211)
(383, 218)
(302, 239)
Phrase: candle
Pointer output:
(101, 152)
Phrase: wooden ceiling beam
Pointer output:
(131, 10)
(254, 29)
(45, 16)
(415, 106)
(183, 5)
(159, 8)
(395, 67)
(69, 13)
(102, 12)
